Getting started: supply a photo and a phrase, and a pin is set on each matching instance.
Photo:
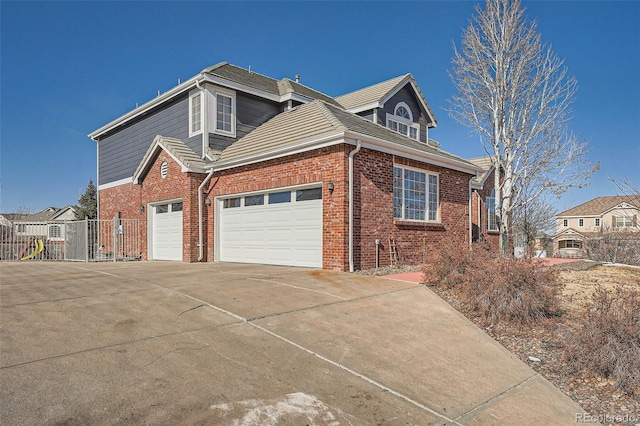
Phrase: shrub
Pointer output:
(495, 288)
(607, 339)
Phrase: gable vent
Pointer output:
(164, 169)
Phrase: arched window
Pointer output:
(403, 111)
(401, 121)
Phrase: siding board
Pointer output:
(121, 152)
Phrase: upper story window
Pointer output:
(492, 218)
(195, 114)
(565, 222)
(623, 221)
(597, 221)
(225, 117)
(402, 121)
(415, 195)
(580, 222)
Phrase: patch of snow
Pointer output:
(273, 412)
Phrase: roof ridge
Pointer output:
(287, 85)
(324, 106)
(373, 85)
(306, 87)
(221, 64)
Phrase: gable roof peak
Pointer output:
(600, 205)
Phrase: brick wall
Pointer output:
(321, 165)
(373, 215)
(373, 203)
(128, 198)
(480, 226)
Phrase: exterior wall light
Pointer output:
(141, 208)
(330, 187)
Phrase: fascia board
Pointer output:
(115, 183)
(184, 87)
(241, 87)
(303, 146)
(365, 107)
(295, 97)
(147, 162)
(619, 207)
(403, 83)
(412, 153)
(567, 232)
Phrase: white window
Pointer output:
(623, 221)
(580, 222)
(565, 222)
(570, 244)
(597, 221)
(401, 121)
(224, 113)
(492, 218)
(415, 195)
(195, 114)
(54, 231)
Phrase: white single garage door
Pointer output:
(167, 231)
(276, 228)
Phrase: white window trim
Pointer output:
(489, 227)
(407, 122)
(426, 213)
(230, 94)
(192, 96)
(596, 221)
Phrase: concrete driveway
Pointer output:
(173, 343)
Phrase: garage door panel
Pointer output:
(167, 234)
(281, 234)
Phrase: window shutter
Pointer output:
(613, 221)
(635, 220)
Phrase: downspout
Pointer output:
(205, 143)
(351, 154)
(97, 177)
(205, 123)
(470, 216)
(200, 215)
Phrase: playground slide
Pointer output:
(37, 251)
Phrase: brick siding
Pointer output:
(373, 201)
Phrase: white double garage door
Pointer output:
(280, 227)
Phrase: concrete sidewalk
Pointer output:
(171, 343)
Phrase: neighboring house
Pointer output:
(590, 219)
(48, 224)
(235, 166)
(483, 203)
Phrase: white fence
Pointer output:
(90, 240)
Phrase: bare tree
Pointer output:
(514, 92)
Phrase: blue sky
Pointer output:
(67, 68)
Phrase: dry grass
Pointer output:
(604, 305)
(580, 285)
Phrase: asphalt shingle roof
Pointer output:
(600, 205)
(311, 121)
(177, 148)
(485, 164)
(248, 78)
(370, 94)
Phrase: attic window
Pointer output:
(164, 169)
(401, 121)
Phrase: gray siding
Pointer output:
(407, 96)
(121, 152)
(251, 112)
